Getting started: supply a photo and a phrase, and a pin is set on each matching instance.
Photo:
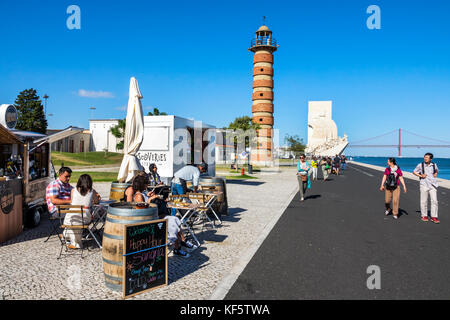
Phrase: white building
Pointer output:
(101, 137)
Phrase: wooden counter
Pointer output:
(10, 209)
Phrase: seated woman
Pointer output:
(155, 179)
(84, 195)
(137, 192)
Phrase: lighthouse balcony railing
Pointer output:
(263, 42)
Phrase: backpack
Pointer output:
(391, 181)
(423, 168)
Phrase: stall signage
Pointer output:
(8, 115)
(6, 199)
(145, 257)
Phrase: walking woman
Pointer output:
(324, 166)
(304, 182)
(392, 178)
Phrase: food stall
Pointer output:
(25, 172)
(11, 196)
(171, 143)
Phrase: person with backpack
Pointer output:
(390, 183)
(427, 171)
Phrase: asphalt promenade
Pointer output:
(321, 248)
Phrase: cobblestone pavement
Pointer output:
(29, 268)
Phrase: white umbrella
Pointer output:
(134, 134)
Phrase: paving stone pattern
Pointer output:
(30, 270)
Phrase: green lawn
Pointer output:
(85, 159)
(96, 176)
(244, 177)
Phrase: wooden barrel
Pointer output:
(120, 214)
(117, 190)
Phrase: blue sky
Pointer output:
(191, 60)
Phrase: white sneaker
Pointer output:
(302, 199)
(189, 245)
(386, 213)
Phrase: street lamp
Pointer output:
(45, 98)
(92, 112)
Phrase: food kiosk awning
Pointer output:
(6, 137)
(70, 131)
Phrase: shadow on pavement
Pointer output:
(180, 267)
(314, 196)
(245, 182)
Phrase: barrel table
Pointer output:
(117, 190)
(120, 214)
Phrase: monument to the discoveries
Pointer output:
(323, 139)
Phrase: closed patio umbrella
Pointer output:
(134, 134)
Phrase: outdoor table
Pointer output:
(99, 216)
(190, 207)
(209, 204)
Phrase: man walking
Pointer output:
(427, 172)
(337, 164)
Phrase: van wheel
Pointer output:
(34, 217)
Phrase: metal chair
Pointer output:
(81, 228)
(56, 222)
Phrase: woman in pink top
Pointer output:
(391, 184)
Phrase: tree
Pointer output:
(156, 113)
(244, 123)
(295, 144)
(118, 131)
(30, 112)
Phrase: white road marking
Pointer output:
(366, 173)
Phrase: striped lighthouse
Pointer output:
(263, 47)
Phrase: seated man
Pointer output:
(59, 191)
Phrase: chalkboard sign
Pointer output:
(145, 257)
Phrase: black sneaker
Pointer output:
(181, 253)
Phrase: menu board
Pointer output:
(145, 257)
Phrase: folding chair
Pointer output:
(75, 209)
(205, 201)
(56, 222)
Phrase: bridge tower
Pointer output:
(263, 46)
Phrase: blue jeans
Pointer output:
(175, 189)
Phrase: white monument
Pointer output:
(323, 139)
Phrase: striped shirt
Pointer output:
(59, 189)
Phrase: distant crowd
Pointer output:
(391, 181)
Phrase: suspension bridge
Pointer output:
(400, 145)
